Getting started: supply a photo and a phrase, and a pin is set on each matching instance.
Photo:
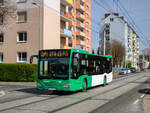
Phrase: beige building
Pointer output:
(40, 24)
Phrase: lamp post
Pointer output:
(38, 5)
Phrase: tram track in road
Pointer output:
(27, 104)
(58, 96)
(89, 98)
(131, 95)
(29, 96)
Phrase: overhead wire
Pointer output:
(131, 21)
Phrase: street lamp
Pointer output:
(38, 5)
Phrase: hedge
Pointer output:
(18, 72)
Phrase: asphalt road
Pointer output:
(124, 95)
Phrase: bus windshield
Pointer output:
(54, 68)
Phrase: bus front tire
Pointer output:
(84, 86)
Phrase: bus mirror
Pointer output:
(31, 58)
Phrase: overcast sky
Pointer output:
(139, 10)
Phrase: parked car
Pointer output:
(133, 70)
(128, 70)
(142, 69)
(123, 71)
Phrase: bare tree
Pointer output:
(7, 12)
(118, 52)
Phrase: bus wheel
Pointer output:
(105, 81)
(84, 85)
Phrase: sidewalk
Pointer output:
(146, 103)
(17, 83)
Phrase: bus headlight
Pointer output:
(38, 85)
(67, 85)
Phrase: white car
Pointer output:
(128, 70)
(123, 71)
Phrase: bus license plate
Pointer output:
(51, 89)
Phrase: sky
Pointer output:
(138, 10)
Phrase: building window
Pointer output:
(22, 16)
(22, 57)
(111, 19)
(107, 26)
(87, 24)
(87, 7)
(87, 15)
(1, 38)
(70, 45)
(22, 37)
(107, 38)
(107, 32)
(1, 57)
(1, 19)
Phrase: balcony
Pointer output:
(80, 42)
(67, 17)
(70, 41)
(70, 24)
(79, 24)
(81, 16)
(79, 33)
(66, 32)
(80, 7)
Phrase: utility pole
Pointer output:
(143, 59)
(104, 42)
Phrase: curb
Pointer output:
(17, 83)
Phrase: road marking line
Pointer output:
(2, 93)
(135, 102)
(142, 95)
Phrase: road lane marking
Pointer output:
(135, 102)
(2, 93)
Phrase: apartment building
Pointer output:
(111, 28)
(144, 61)
(135, 50)
(40, 24)
(81, 25)
(114, 27)
(132, 46)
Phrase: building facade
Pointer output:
(114, 27)
(81, 25)
(42, 24)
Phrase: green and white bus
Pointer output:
(72, 70)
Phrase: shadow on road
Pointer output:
(44, 92)
(34, 91)
(145, 91)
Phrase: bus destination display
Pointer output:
(55, 53)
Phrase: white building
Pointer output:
(114, 27)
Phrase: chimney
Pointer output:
(106, 15)
(122, 17)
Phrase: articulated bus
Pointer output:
(72, 70)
